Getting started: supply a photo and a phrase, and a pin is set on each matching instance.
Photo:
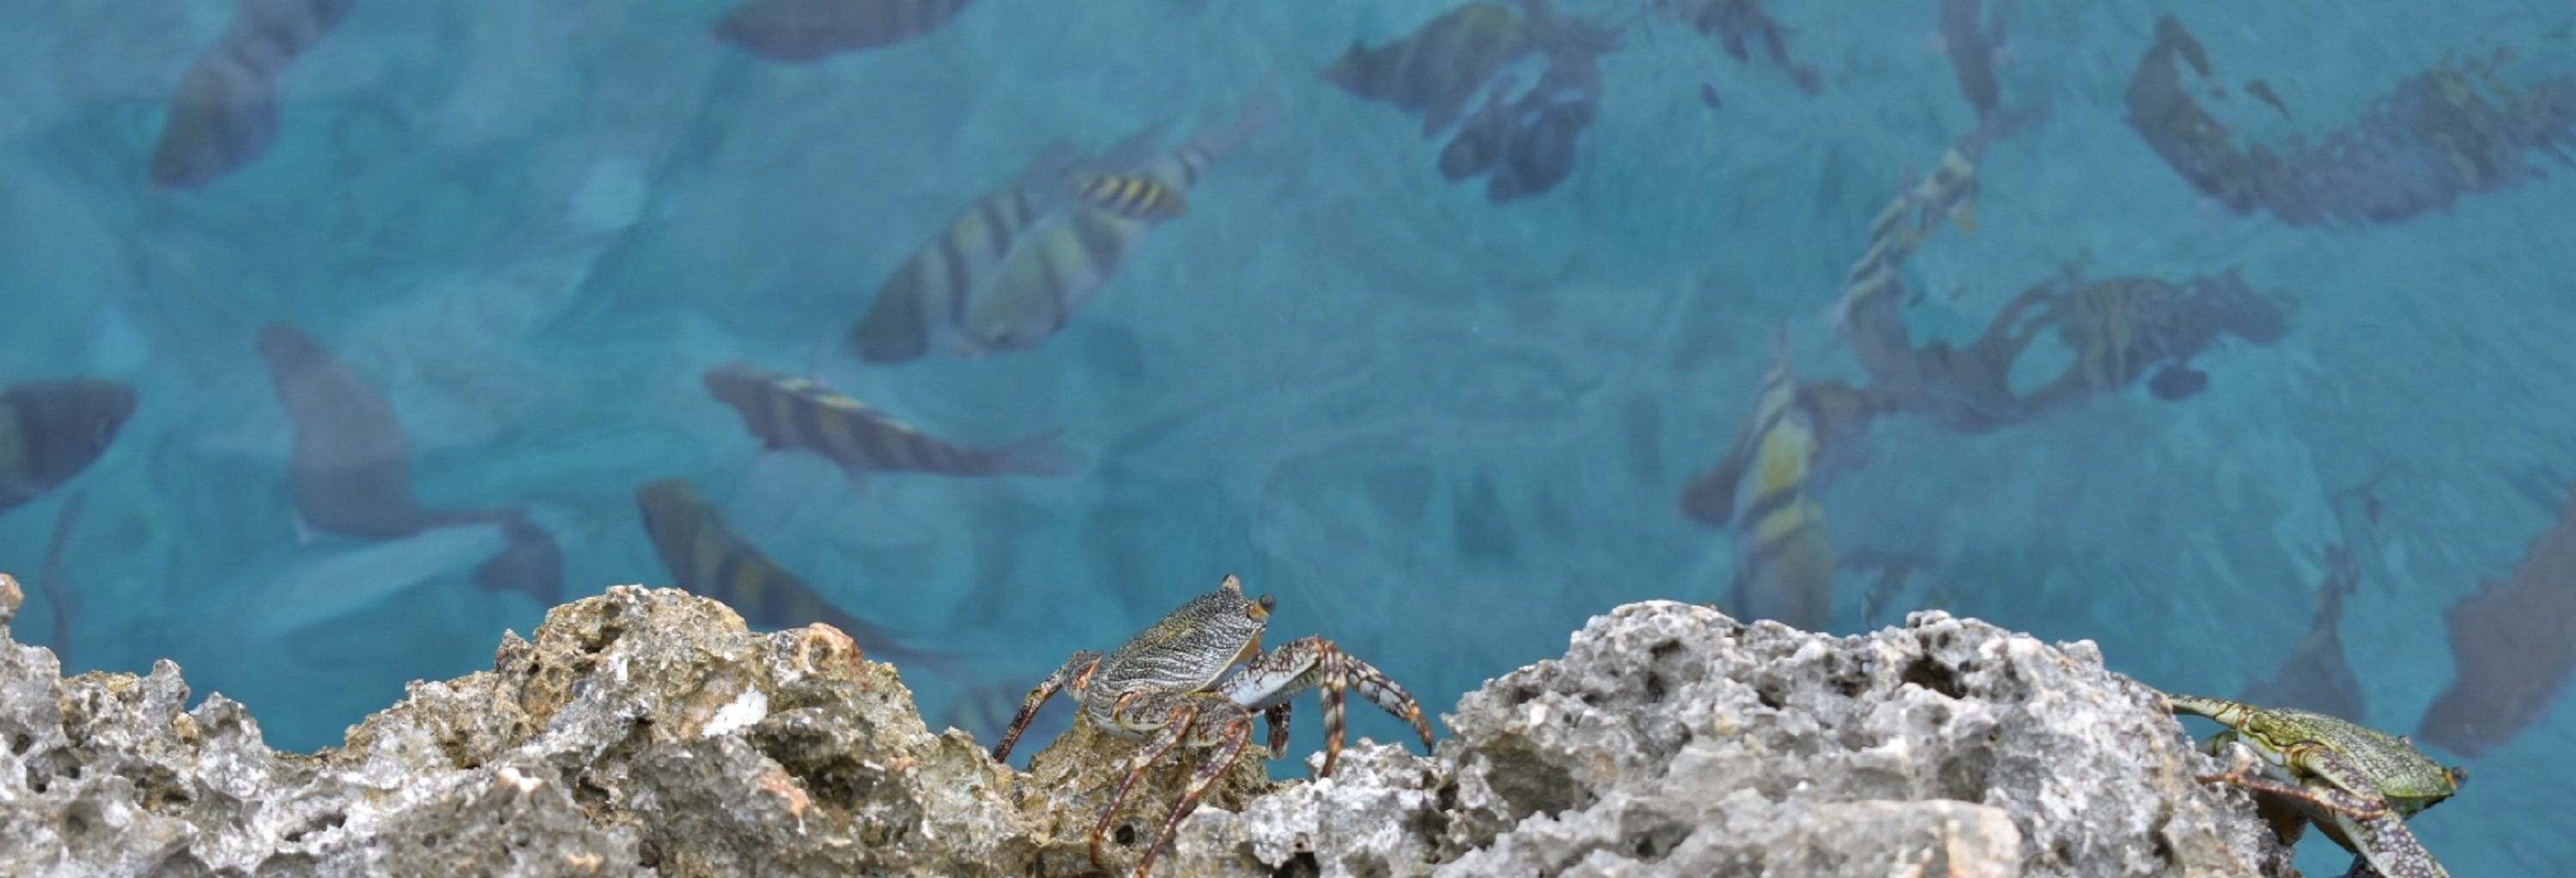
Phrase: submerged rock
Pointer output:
(647, 732)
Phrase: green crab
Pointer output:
(2357, 784)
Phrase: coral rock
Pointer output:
(649, 733)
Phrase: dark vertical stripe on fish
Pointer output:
(999, 230)
(1104, 242)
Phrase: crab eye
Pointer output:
(1260, 608)
(1268, 603)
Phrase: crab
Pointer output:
(2355, 783)
(1168, 686)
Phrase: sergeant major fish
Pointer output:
(707, 558)
(1785, 565)
(788, 412)
(224, 113)
(807, 30)
(1067, 257)
(920, 301)
(52, 430)
(1011, 275)
(351, 468)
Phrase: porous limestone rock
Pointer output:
(1673, 740)
(647, 732)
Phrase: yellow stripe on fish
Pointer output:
(925, 293)
(1785, 564)
(1949, 192)
(1133, 197)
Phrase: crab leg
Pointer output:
(1229, 738)
(1277, 714)
(1308, 664)
(1168, 715)
(1075, 673)
(2379, 835)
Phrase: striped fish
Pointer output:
(52, 430)
(1437, 69)
(1865, 315)
(1069, 255)
(224, 113)
(788, 412)
(1136, 198)
(707, 558)
(1785, 566)
(925, 293)
(920, 302)
(808, 30)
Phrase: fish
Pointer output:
(1841, 416)
(1135, 198)
(1785, 564)
(810, 30)
(2262, 91)
(1972, 53)
(1480, 140)
(50, 577)
(51, 431)
(2450, 131)
(223, 115)
(925, 298)
(791, 413)
(2318, 676)
(1542, 153)
(530, 562)
(1067, 256)
(705, 557)
(1439, 67)
(923, 295)
(2178, 382)
(1733, 22)
(2513, 644)
(1867, 313)
(351, 469)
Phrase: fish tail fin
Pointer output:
(1037, 455)
(530, 563)
(1260, 111)
(895, 330)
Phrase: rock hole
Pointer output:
(1770, 697)
(1126, 835)
(19, 743)
(1849, 686)
(1659, 840)
(1654, 688)
(1934, 676)
(331, 821)
(1530, 784)
(608, 634)
(1523, 694)
(1302, 865)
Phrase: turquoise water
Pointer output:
(1443, 431)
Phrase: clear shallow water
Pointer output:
(1443, 431)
